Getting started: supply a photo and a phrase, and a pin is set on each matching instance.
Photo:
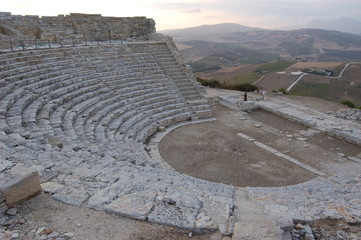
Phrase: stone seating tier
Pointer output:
(81, 116)
(49, 76)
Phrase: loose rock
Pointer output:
(12, 211)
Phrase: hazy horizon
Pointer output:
(174, 14)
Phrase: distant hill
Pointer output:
(223, 45)
(305, 44)
(208, 31)
(347, 25)
(232, 55)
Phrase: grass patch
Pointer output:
(282, 90)
(203, 67)
(319, 90)
(243, 78)
(274, 67)
(213, 83)
(348, 103)
(338, 69)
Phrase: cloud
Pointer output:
(213, 17)
(172, 5)
(196, 10)
(187, 13)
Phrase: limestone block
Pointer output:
(105, 196)
(5, 164)
(71, 196)
(205, 223)
(355, 159)
(51, 187)
(2, 198)
(248, 105)
(100, 198)
(176, 210)
(220, 210)
(136, 205)
(18, 184)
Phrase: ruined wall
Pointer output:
(74, 26)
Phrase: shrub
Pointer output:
(283, 90)
(316, 72)
(348, 103)
(245, 87)
(213, 83)
(203, 67)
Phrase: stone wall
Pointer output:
(76, 26)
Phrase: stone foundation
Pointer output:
(76, 27)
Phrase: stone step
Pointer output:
(251, 222)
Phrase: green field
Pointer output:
(274, 66)
(338, 69)
(243, 78)
(319, 90)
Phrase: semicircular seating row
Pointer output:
(81, 116)
(114, 96)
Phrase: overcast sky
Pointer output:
(172, 14)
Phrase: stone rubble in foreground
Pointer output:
(11, 219)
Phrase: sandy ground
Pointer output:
(213, 151)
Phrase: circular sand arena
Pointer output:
(213, 151)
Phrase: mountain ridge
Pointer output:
(209, 30)
(301, 44)
(347, 25)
